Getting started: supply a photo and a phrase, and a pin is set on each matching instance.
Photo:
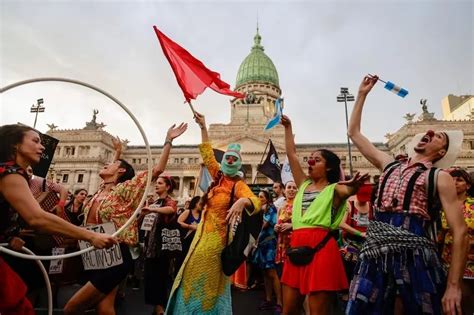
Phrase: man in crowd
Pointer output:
(398, 266)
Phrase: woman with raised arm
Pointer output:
(20, 147)
(201, 287)
(113, 204)
(318, 209)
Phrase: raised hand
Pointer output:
(367, 84)
(285, 121)
(117, 144)
(200, 120)
(174, 132)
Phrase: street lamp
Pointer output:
(37, 109)
(345, 97)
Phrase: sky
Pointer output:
(427, 47)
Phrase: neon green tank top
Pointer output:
(319, 211)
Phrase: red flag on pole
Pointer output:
(192, 75)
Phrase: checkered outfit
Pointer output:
(418, 203)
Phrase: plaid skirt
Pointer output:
(415, 275)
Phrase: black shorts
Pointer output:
(105, 280)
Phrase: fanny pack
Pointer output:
(303, 255)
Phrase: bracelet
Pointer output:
(168, 141)
(61, 203)
(358, 233)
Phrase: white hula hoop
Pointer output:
(148, 180)
(45, 276)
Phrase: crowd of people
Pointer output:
(399, 245)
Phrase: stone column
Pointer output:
(181, 184)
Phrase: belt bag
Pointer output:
(303, 255)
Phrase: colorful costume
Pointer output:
(398, 259)
(309, 229)
(200, 286)
(468, 212)
(284, 238)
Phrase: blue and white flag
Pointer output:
(395, 89)
(277, 118)
(205, 179)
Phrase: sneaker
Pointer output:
(265, 305)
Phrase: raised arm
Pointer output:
(378, 158)
(296, 169)
(16, 191)
(173, 132)
(118, 147)
(201, 121)
(447, 193)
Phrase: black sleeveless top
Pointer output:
(9, 218)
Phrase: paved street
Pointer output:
(244, 303)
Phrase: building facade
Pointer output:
(81, 153)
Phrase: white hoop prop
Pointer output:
(148, 180)
(45, 276)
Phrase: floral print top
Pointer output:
(284, 238)
(468, 211)
(119, 205)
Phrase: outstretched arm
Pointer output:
(296, 169)
(16, 191)
(378, 158)
(173, 132)
(447, 193)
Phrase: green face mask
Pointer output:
(230, 169)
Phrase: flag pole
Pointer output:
(371, 75)
(192, 108)
(263, 155)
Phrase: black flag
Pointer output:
(49, 143)
(271, 166)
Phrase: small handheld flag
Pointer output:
(275, 120)
(394, 88)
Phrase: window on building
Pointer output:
(471, 143)
(354, 158)
(192, 184)
(80, 178)
(305, 159)
(65, 178)
(176, 161)
(182, 160)
(134, 161)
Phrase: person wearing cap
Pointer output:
(463, 182)
(399, 270)
(201, 287)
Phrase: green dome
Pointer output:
(257, 66)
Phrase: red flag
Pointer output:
(192, 75)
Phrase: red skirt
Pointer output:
(324, 273)
(13, 299)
